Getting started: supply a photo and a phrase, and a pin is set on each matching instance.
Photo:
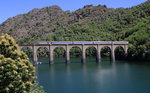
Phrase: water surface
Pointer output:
(106, 77)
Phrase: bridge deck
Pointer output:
(83, 42)
(80, 43)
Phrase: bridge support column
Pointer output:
(67, 55)
(51, 55)
(83, 55)
(112, 53)
(35, 59)
(98, 56)
(126, 50)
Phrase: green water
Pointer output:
(106, 77)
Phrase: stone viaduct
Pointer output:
(83, 45)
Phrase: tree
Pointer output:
(17, 74)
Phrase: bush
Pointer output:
(17, 74)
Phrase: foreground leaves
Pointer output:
(17, 74)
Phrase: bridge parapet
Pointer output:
(82, 42)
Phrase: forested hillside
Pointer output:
(91, 23)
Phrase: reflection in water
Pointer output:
(68, 74)
(105, 77)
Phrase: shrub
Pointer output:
(17, 74)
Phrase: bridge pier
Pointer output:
(83, 60)
(67, 57)
(98, 55)
(98, 58)
(35, 59)
(83, 57)
(67, 54)
(126, 50)
(51, 55)
(113, 56)
(112, 53)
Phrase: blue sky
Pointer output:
(10, 8)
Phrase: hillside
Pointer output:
(41, 22)
(88, 23)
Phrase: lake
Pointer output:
(106, 77)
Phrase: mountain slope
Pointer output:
(41, 22)
(88, 23)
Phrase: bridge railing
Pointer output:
(84, 42)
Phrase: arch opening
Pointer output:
(106, 53)
(119, 53)
(91, 54)
(75, 54)
(43, 55)
(59, 55)
(28, 51)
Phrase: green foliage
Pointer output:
(59, 51)
(91, 23)
(75, 52)
(17, 74)
(140, 40)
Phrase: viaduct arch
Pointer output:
(83, 45)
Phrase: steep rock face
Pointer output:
(44, 21)
(32, 22)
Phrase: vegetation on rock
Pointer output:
(90, 23)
